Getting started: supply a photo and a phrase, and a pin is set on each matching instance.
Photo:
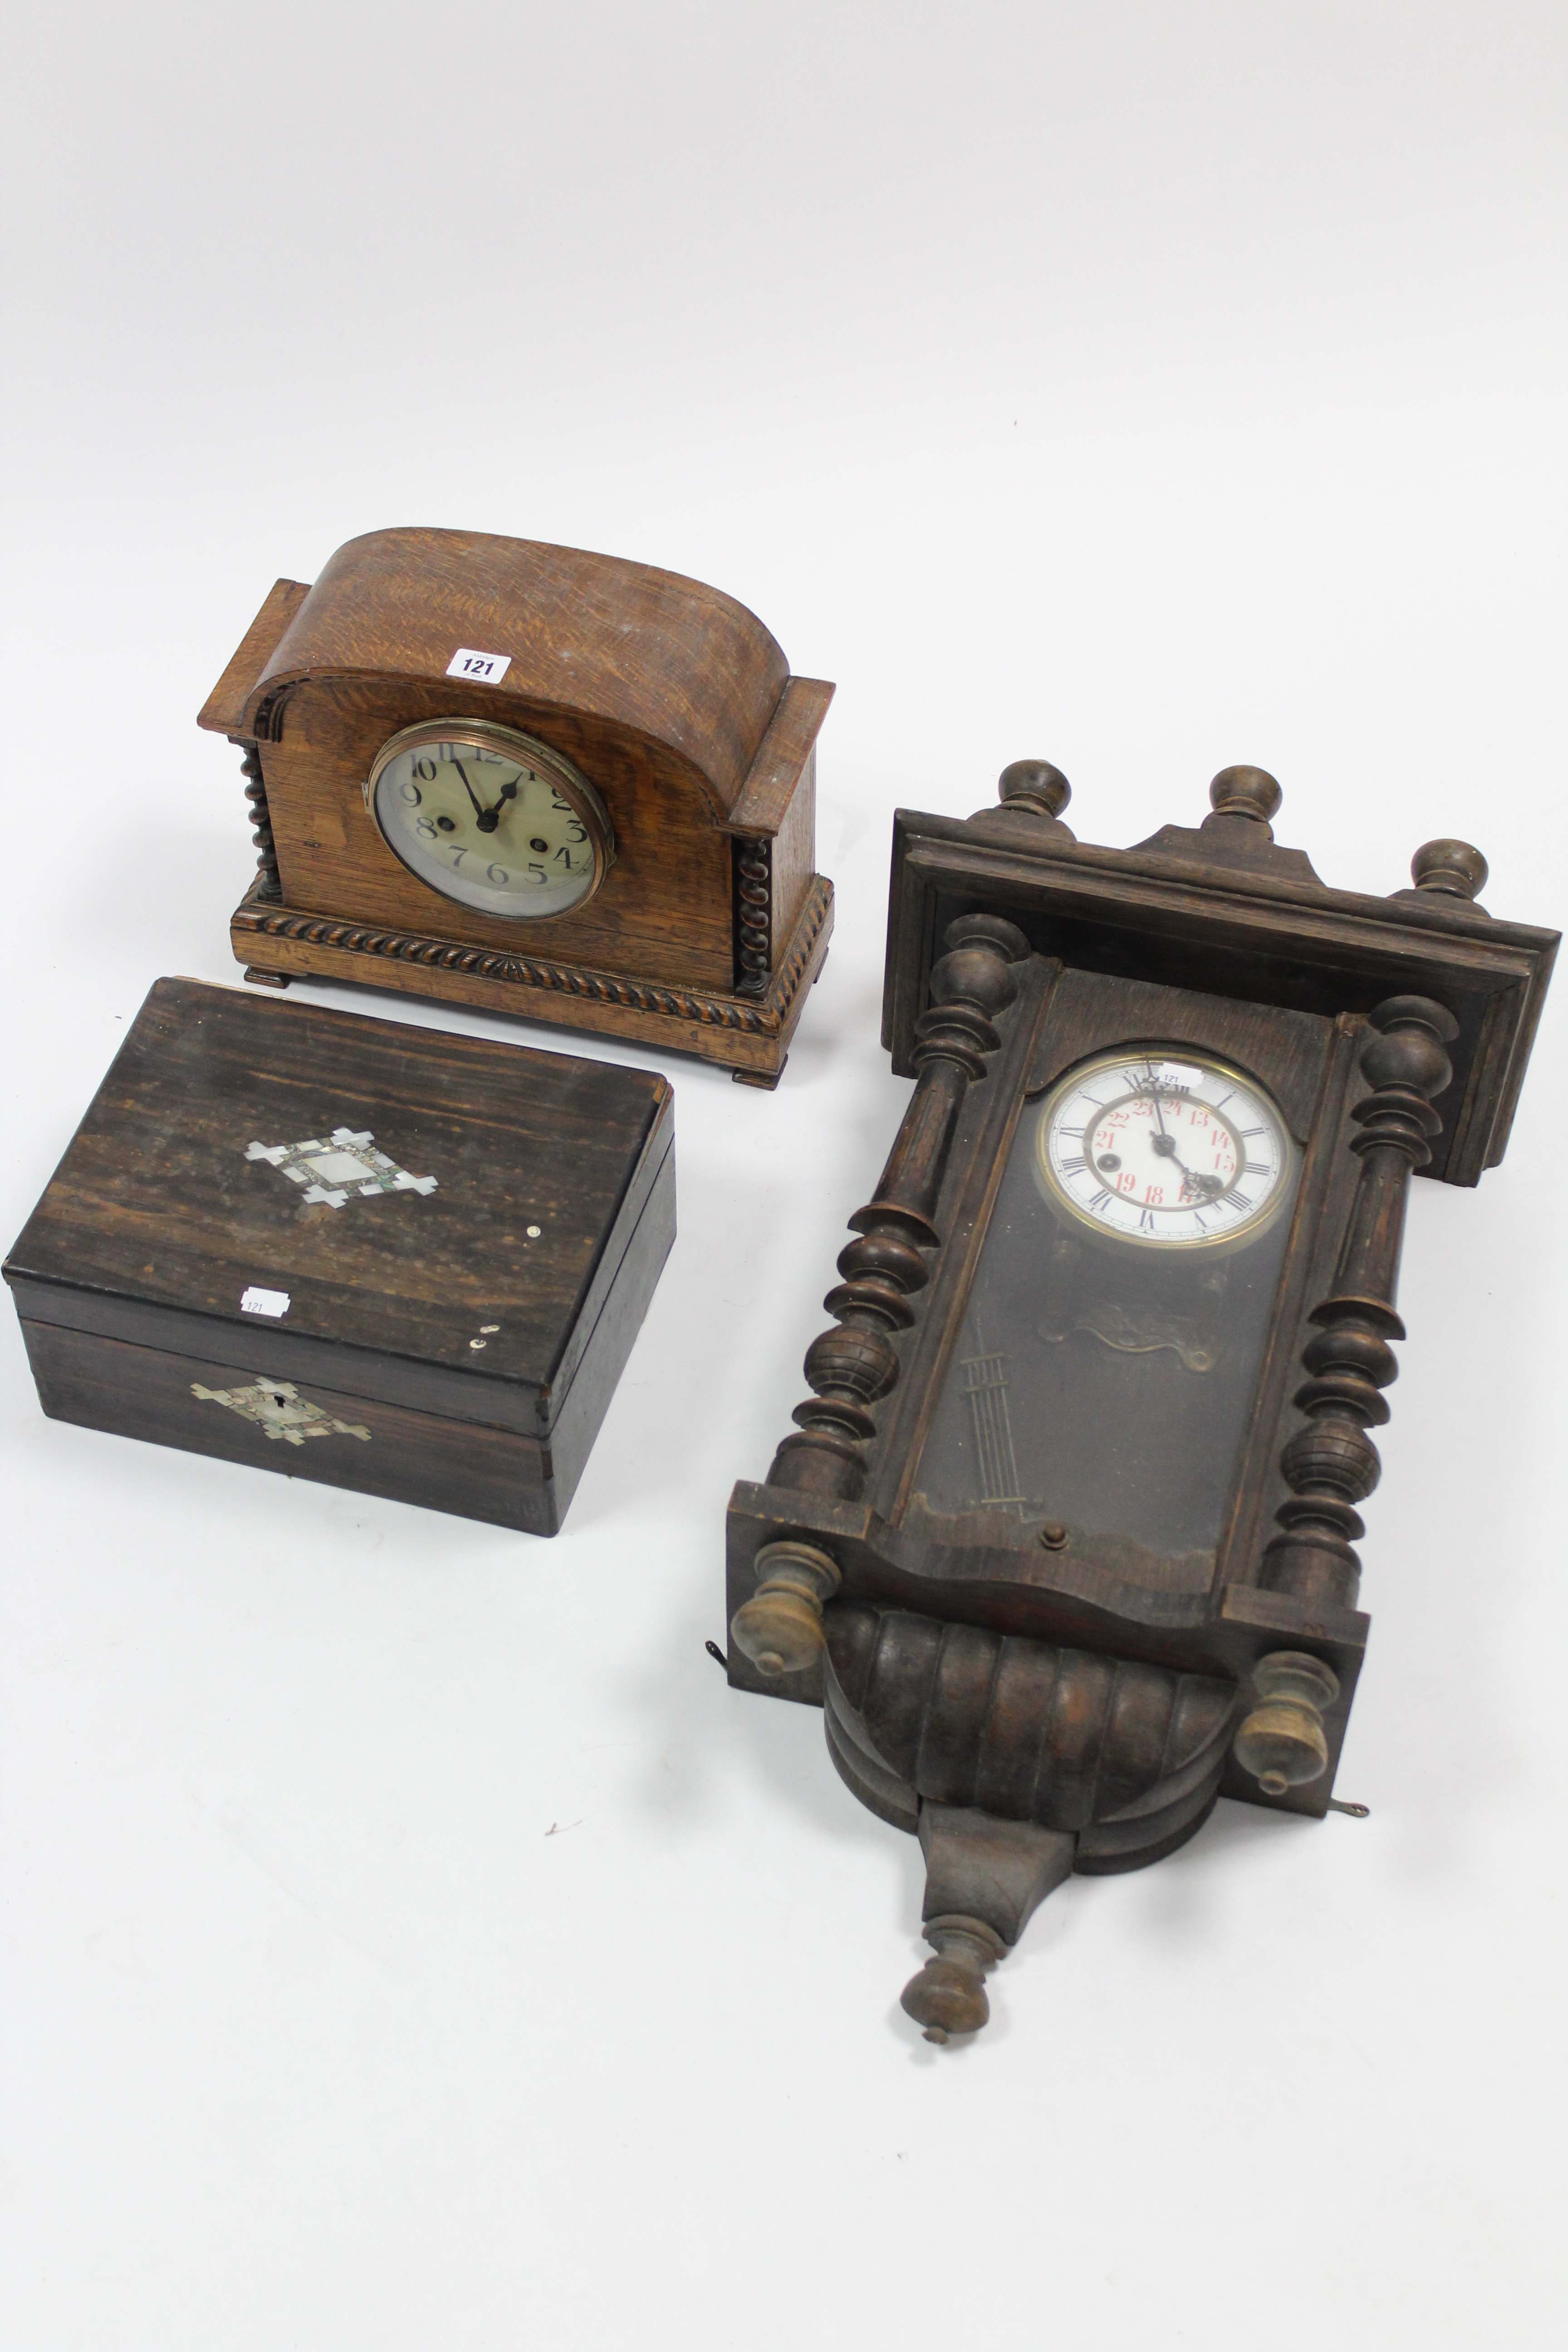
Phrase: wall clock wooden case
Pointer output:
(534, 780)
(1063, 1539)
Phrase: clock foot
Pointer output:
(767, 1078)
(985, 1879)
(260, 978)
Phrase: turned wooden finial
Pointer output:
(1033, 784)
(779, 1627)
(1281, 1743)
(1250, 792)
(1455, 867)
(948, 1995)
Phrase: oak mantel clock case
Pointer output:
(535, 780)
(1064, 1539)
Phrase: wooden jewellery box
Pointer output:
(387, 1258)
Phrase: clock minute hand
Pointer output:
(479, 811)
(1165, 1145)
(487, 818)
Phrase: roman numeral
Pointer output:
(1249, 1130)
(1069, 1130)
(1146, 1221)
(1256, 1167)
(1075, 1167)
(1099, 1199)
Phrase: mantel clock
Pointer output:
(1063, 1542)
(533, 780)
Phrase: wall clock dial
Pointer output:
(490, 818)
(1164, 1150)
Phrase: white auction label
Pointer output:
(1176, 1073)
(486, 669)
(264, 1302)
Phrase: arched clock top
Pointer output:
(665, 658)
(645, 725)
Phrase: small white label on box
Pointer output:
(264, 1302)
(1177, 1074)
(487, 669)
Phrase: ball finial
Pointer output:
(1453, 867)
(1250, 792)
(948, 1996)
(1283, 1742)
(1033, 784)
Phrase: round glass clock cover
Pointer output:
(1163, 1148)
(490, 817)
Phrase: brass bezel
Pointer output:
(484, 734)
(1059, 1197)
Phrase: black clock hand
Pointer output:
(487, 818)
(1165, 1145)
(478, 811)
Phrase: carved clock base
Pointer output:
(747, 1034)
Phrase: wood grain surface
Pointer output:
(672, 699)
(224, 709)
(651, 653)
(463, 1467)
(1384, 1029)
(749, 1035)
(667, 893)
(157, 1210)
(1228, 912)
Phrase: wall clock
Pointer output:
(535, 780)
(1063, 1542)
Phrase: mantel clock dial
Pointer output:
(1063, 1540)
(490, 818)
(532, 779)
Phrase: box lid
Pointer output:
(397, 1212)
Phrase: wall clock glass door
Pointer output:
(1108, 1358)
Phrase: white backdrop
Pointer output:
(408, 1940)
